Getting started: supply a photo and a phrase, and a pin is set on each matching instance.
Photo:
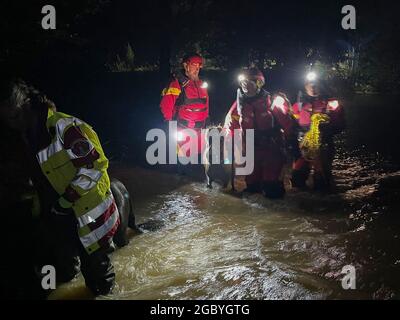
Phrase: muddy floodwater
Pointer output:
(206, 244)
(199, 243)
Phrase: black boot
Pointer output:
(67, 268)
(274, 190)
(253, 188)
(321, 184)
(64, 246)
(98, 271)
(299, 178)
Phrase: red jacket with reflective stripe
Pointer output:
(257, 113)
(304, 109)
(188, 102)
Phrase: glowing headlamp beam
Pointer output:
(311, 76)
(241, 77)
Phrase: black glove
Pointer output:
(293, 148)
(325, 129)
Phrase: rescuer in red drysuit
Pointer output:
(272, 122)
(186, 101)
(311, 102)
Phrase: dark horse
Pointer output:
(126, 214)
(217, 170)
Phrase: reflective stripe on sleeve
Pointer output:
(93, 174)
(95, 213)
(63, 123)
(171, 91)
(84, 183)
(100, 232)
(86, 179)
(48, 152)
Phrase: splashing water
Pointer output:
(213, 245)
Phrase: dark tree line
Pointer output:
(93, 35)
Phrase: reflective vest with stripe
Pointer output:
(70, 173)
(307, 106)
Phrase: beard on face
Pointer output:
(192, 71)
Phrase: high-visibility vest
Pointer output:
(69, 173)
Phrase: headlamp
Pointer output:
(241, 78)
(311, 76)
(204, 85)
